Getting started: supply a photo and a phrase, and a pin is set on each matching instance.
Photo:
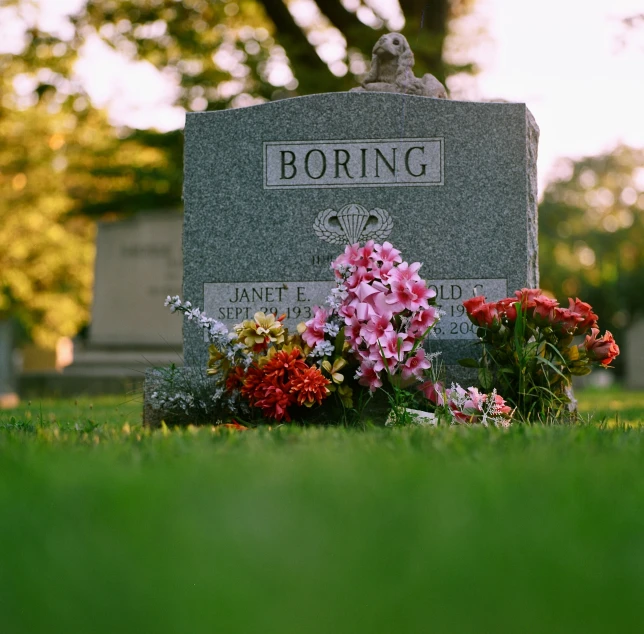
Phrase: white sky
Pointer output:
(561, 57)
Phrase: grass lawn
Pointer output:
(105, 527)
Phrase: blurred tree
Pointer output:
(63, 161)
(591, 235)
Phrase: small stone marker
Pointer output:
(8, 397)
(634, 356)
(274, 192)
(138, 264)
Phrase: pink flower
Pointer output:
(433, 392)
(393, 346)
(350, 256)
(368, 377)
(387, 254)
(410, 295)
(315, 328)
(383, 272)
(353, 330)
(499, 404)
(364, 290)
(376, 328)
(423, 319)
(361, 274)
(415, 365)
(406, 272)
(365, 255)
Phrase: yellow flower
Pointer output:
(260, 331)
(334, 370)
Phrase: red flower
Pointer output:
(527, 297)
(309, 386)
(583, 310)
(235, 378)
(485, 315)
(564, 320)
(602, 349)
(280, 367)
(473, 303)
(543, 309)
(507, 308)
(253, 378)
(273, 400)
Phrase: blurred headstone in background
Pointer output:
(634, 355)
(8, 397)
(138, 263)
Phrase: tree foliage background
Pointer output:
(63, 163)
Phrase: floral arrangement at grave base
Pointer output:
(531, 347)
(368, 338)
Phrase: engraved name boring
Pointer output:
(361, 163)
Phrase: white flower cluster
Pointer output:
(322, 349)
(214, 328)
(338, 295)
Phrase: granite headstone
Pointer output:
(274, 192)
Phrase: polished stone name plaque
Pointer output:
(232, 303)
(360, 163)
(450, 295)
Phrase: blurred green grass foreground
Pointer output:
(106, 527)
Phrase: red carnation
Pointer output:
(602, 349)
(507, 308)
(485, 315)
(527, 297)
(583, 310)
(473, 303)
(564, 320)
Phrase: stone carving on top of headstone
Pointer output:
(273, 192)
(392, 70)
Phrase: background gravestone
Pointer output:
(138, 263)
(274, 192)
(634, 355)
(8, 396)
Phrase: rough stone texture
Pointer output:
(633, 352)
(475, 226)
(392, 70)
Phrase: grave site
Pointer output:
(344, 365)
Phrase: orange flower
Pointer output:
(283, 365)
(309, 386)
